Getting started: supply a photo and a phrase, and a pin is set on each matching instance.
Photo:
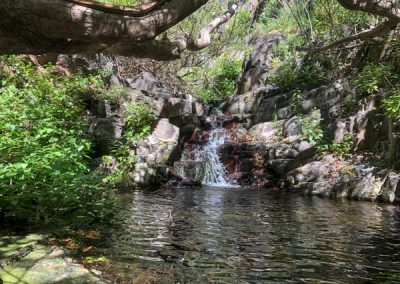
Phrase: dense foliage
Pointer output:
(44, 164)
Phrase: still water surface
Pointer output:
(216, 235)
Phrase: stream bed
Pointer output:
(233, 235)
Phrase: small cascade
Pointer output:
(201, 160)
(214, 170)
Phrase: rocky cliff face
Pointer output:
(276, 122)
(270, 137)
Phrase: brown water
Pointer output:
(215, 235)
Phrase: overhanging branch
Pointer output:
(137, 11)
(385, 8)
(378, 31)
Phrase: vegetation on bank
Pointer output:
(44, 149)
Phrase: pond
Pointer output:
(233, 235)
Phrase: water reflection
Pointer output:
(255, 236)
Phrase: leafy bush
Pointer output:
(44, 171)
(375, 77)
(381, 77)
(392, 105)
(289, 76)
(222, 79)
(339, 148)
(310, 127)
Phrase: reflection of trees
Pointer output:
(254, 235)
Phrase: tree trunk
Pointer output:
(62, 26)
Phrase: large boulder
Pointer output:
(278, 106)
(153, 152)
(264, 131)
(147, 83)
(258, 64)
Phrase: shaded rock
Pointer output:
(258, 64)
(105, 131)
(391, 188)
(322, 98)
(146, 82)
(292, 127)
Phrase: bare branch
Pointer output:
(204, 40)
(378, 31)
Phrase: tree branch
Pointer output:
(138, 11)
(59, 26)
(205, 34)
(384, 8)
(380, 30)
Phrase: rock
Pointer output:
(198, 108)
(154, 152)
(258, 64)
(105, 131)
(305, 145)
(368, 187)
(146, 82)
(264, 131)
(314, 171)
(391, 188)
(176, 107)
(292, 127)
(43, 264)
(165, 131)
(246, 103)
(322, 98)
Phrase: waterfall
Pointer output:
(202, 162)
(214, 170)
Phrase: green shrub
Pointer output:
(289, 76)
(311, 128)
(221, 79)
(339, 148)
(375, 77)
(392, 105)
(44, 171)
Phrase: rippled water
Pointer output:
(214, 235)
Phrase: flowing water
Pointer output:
(205, 159)
(233, 235)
